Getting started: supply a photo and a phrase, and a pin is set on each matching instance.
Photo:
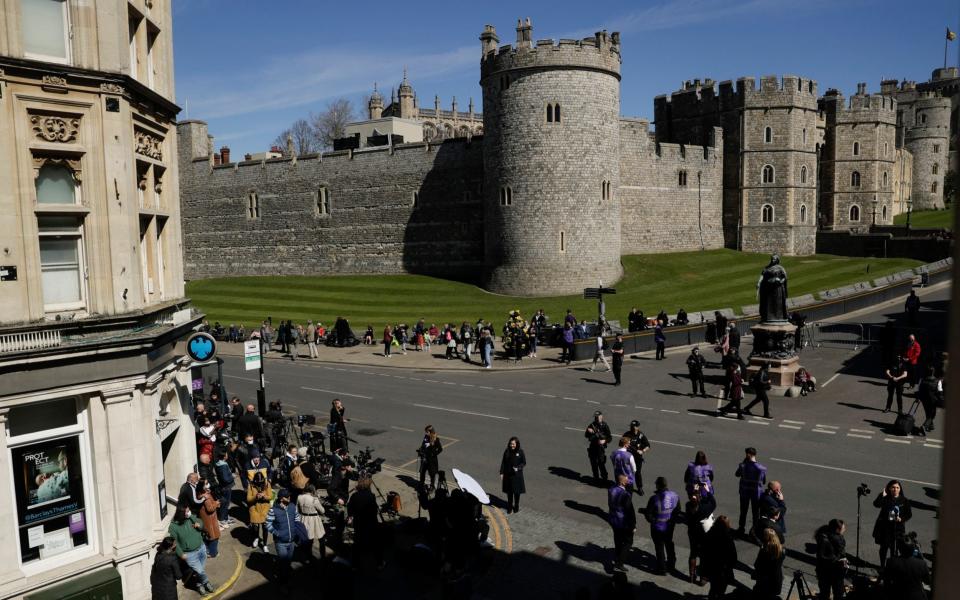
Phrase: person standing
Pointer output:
(598, 436)
(486, 349)
(310, 509)
(928, 393)
(280, 523)
(185, 530)
(768, 567)
(532, 332)
(387, 339)
(719, 557)
(753, 476)
(623, 521)
(259, 496)
(831, 559)
(904, 576)
(698, 512)
(362, 513)
(312, 339)
(773, 499)
(617, 352)
(511, 474)
(165, 572)
(896, 378)
(226, 478)
(699, 475)
(733, 336)
(430, 449)
(639, 446)
(624, 463)
(660, 338)
(662, 510)
(338, 421)
(912, 306)
(889, 527)
(736, 392)
(695, 365)
(760, 383)
(211, 524)
(567, 335)
(912, 356)
(598, 355)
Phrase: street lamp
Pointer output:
(909, 210)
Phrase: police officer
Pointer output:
(598, 435)
(662, 510)
(753, 478)
(639, 445)
(695, 364)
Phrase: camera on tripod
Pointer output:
(303, 420)
(863, 490)
(366, 464)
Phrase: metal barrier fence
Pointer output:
(839, 335)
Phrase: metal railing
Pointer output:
(30, 340)
(838, 335)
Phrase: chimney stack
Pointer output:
(224, 155)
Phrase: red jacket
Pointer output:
(913, 353)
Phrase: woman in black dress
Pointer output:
(511, 474)
(430, 449)
(894, 513)
(338, 426)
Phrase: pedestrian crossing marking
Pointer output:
(788, 426)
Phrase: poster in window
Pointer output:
(46, 476)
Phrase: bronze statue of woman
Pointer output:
(772, 292)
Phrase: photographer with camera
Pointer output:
(831, 559)
(904, 575)
(894, 512)
(429, 451)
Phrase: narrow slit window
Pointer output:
(856, 148)
(563, 242)
(768, 135)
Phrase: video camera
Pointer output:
(863, 490)
(366, 464)
(306, 420)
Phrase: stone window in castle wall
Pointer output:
(884, 179)
(768, 135)
(884, 212)
(563, 242)
(766, 213)
(803, 213)
(855, 179)
(323, 202)
(856, 148)
(682, 179)
(803, 174)
(936, 168)
(767, 175)
(936, 148)
(553, 113)
(253, 206)
(933, 187)
(506, 196)
(854, 214)
(415, 201)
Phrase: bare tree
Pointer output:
(332, 123)
(304, 138)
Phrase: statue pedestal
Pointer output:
(774, 344)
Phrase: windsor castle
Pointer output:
(543, 191)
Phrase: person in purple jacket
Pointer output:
(753, 478)
(699, 472)
(623, 520)
(662, 511)
(567, 354)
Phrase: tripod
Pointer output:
(803, 588)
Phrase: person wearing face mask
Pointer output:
(185, 530)
(259, 495)
(208, 516)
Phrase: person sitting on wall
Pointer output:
(682, 318)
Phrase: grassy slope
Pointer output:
(692, 280)
(928, 218)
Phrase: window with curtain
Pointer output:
(61, 262)
(44, 29)
(55, 185)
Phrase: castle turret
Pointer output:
(488, 40)
(406, 95)
(552, 217)
(927, 136)
(375, 105)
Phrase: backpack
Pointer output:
(297, 479)
(299, 533)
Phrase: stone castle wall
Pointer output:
(413, 209)
(659, 212)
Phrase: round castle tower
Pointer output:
(929, 139)
(551, 119)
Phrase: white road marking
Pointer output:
(399, 377)
(692, 414)
(449, 383)
(547, 396)
(672, 444)
(795, 422)
(870, 431)
(937, 446)
(676, 412)
(759, 422)
(467, 384)
(824, 431)
(431, 381)
(789, 426)
(857, 435)
(896, 441)
(929, 439)
(485, 387)
(828, 467)
(244, 378)
(340, 369)
(644, 407)
(574, 399)
(462, 412)
(527, 393)
(619, 405)
(573, 428)
(401, 429)
(411, 379)
(592, 402)
(504, 390)
(835, 375)
(827, 426)
(336, 393)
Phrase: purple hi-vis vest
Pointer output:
(665, 501)
(700, 474)
(621, 464)
(753, 476)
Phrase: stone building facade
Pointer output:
(902, 181)
(927, 125)
(771, 141)
(858, 160)
(95, 394)
(438, 124)
(532, 207)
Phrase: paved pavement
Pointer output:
(820, 447)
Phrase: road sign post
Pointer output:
(597, 293)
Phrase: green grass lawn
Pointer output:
(691, 280)
(941, 219)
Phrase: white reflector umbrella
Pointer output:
(470, 485)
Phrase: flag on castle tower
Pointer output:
(951, 35)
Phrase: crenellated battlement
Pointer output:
(698, 97)
(859, 108)
(599, 52)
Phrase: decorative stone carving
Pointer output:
(148, 145)
(54, 83)
(111, 88)
(71, 163)
(55, 129)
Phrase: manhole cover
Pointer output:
(370, 432)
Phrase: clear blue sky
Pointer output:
(251, 67)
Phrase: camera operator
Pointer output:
(337, 489)
(429, 451)
(338, 426)
(904, 575)
(831, 559)
(286, 464)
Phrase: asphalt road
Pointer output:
(820, 447)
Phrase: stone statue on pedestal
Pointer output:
(772, 292)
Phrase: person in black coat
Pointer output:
(904, 576)
(719, 557)
(699, 507)
(768, 567)
(831, 559)
(511, 474)
(760, 382)
(165, 572)
(430, 449)
(338, 426)
(894, 512)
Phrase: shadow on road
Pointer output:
(573, 475)
(599, 381)
(587, 509)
